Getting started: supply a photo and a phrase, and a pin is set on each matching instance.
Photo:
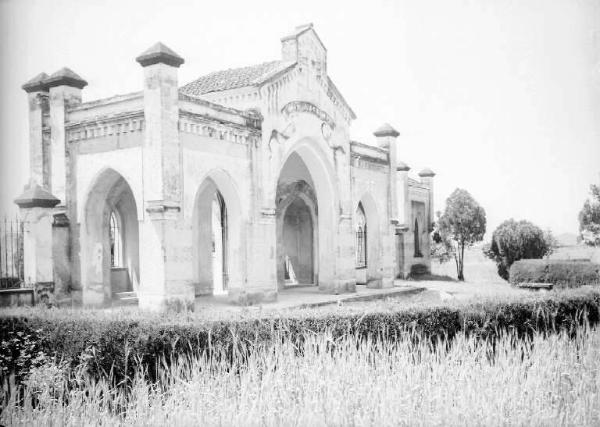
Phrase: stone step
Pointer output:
(125, 298)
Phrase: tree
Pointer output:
(589, 218)
(515, 240)
(461, 225)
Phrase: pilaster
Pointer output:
(162, 248)
(36, 211)
(64, 91)
(37, 94)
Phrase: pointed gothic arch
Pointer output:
(218, 251)
(109, 239)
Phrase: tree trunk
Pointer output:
(461, 262)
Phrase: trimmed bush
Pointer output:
(514, 240)
(565, 274)
(110, 345)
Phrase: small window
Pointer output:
(116, 241)
(361, 238)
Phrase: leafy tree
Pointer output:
(515, 240)
(551, 242)
(589, 218)
(461, 225)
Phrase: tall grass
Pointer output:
(537, 381)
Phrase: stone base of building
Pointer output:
(161, 302)
(338, 286)
(252, 296)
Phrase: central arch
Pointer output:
(306, 207)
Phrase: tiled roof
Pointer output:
(234, 78)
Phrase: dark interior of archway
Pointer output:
(298, 243)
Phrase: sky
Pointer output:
(498, 97)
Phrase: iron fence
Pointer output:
(11, 253)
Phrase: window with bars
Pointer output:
(116, 241)
(361, 238)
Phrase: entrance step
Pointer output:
(125, 298)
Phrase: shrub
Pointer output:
(515, 240)
(114, 346)
(560, 273)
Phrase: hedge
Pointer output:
(560, 273)
(113, 346)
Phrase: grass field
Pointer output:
(546, 380)
(543, 381)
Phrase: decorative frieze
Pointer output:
(189, 123)
(99, 127)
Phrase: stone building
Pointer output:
(243, 182)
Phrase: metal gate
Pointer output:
(11, 253)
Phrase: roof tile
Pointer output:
(234, 78)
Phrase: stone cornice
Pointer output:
(106, 101)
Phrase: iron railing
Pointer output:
(11, 253)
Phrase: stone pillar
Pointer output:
(427, 180)
(426, 176)
(36, 208)
(163, 259)
(386, 138)
(345, 273)
(261, 285)
(37, 94)
(403, 203)
(65, 91)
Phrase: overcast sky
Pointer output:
(499, 97)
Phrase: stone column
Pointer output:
(36, 208)
(403, 203)
(386, 138)
(426, 176)
(165, 265)
(65, 91)
(37, 94)
(427, 180)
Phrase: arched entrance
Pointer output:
(306, 230)
(110, 239)
(297, 235)
(216, 236)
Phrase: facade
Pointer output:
(244, 182)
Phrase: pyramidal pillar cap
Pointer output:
(36, 84)
(386, 130)
(35, 196)
(65, 77)
(402, 167)
(159, 53)
(426, 173)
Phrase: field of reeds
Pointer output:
(539, 380)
